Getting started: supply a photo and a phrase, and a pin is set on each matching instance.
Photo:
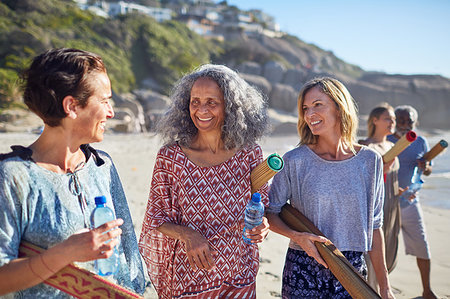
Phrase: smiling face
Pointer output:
(207, 106)
(405, 122)
(321, 113)
(385, 123)
(92, 118)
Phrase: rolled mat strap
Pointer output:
(341, 268)
(78, 282)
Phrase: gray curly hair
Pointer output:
(408, 109)
(245, 109)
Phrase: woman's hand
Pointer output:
(306, 242)
(259, 233)
(402, 190)
(198, 251)
(88, 245)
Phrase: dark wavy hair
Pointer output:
(55, 74)
(245, 109)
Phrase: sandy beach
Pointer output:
(134, 156)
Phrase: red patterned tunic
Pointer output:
(210, 200)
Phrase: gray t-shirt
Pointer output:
(344, 199)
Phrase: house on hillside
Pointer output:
(121, 8)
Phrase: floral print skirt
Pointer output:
(303, 277)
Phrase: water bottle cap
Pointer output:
(275, 162)
(443, 143)
(100, 200)
(256, 197)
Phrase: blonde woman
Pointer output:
(338, 185)
(381, 123)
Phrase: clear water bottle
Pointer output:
(100, 216)
(416, 185)
(254, 212)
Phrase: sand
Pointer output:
(134, 156)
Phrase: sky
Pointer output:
(392, 36)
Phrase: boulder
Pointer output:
(129, 101)
(154, 105)
(124, 121)
(250, 67)
(283, 97)
(258, 82)
(274, 71)
(295, 78)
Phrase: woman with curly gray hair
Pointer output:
(191, 237)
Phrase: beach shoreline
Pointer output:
(134, 156)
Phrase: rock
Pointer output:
(129, 101)
(20, 120)
(282, 123)
(283, 97)
(274, 71)
(124, 121)
(151, 100)
(295, 78)
(251, 68)
(153, 103)
(428, 94)
(259, 82)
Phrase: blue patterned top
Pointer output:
(45, 208)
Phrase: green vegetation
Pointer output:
(134, 47)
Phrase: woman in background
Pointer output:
(335, 183)
(191, 237)
(381, 123)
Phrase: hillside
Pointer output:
(144, 58)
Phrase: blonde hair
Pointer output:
(345, 104)
(376, 113)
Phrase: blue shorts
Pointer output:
(303, 277)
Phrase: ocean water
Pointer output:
(436, 188)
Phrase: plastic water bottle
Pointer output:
(416, 185)
(254, 212)
(100, 216)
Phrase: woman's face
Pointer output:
(385, 124)
(321, 113)
(207, 106)
(92, 118)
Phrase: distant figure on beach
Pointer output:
(191, 237)
(381, 123)
(412, 224)
(335, 183)
(47, 189)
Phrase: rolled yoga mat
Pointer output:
(436, 150)
(265, 171)
(350, 279)
(78, 282)
(399, 146)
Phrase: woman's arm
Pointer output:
(197, 247)
(23, 273)
(304, 240)
(377, 256)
